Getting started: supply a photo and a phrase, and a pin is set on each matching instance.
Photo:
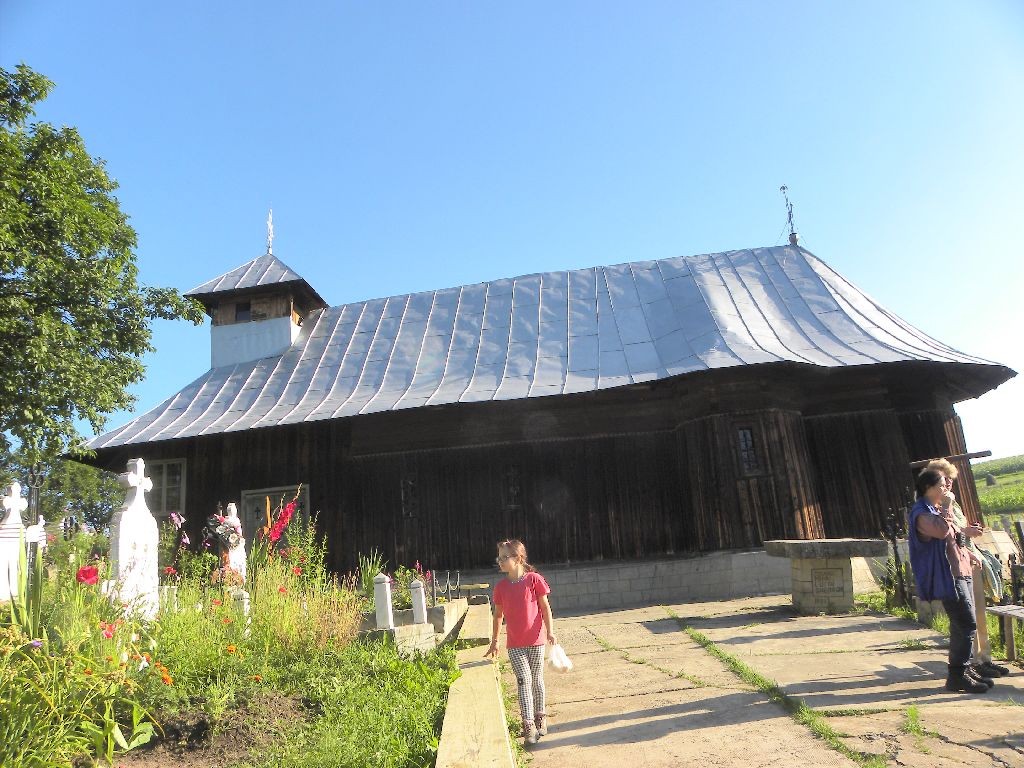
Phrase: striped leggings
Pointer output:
(528, 665)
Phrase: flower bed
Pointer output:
(92, 682)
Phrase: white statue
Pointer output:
(12, 532)
(134, 541)
(236, 546)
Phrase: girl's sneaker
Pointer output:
(541, 721)
(530, 735)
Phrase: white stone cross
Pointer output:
(134, 540)
(12, 533)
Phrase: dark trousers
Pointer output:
(962, 626)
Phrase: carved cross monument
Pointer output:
(12, 532)
(134, 540)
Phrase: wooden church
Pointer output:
(645, 409)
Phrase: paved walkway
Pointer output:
(644, 694)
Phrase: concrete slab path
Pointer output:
(644, 694)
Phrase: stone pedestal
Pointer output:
(823, 573)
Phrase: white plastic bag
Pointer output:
(558, 660)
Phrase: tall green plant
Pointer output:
(27, 605)
(369, 566)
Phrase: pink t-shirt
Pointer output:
(520, 602)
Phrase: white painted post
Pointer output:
(382, 599)
(134, 541)
(419, 602)
(36, 534)
(11, 532)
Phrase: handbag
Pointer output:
(558, 660)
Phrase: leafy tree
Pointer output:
(68, 489)
(74, 320)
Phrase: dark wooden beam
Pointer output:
(955, 457)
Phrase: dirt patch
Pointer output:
(192, 739)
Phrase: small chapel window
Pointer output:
(748, 453)
(243, 312)
(410, 495)
(512, 487)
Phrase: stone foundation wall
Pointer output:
(715, 576)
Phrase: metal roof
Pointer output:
(545, 334)
(264, 270)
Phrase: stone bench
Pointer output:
(823, 575)
(1008, 613)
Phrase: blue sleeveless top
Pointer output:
(932, 573)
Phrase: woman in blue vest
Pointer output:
(942, 571)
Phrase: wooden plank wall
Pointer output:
(860, 462)
(609, 497)
(734, 509)
(935, 433)
(628, 495)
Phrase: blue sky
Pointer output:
(412, 146)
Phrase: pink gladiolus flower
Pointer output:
(282, 521)
(108, 631)
(185, 540)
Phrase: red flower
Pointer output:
(297, 571)
(108, 631)
(282, 521)
(169, 570)
(51, 538)
(282, 590)
(227, 620)
(88, 574)
(215, 601)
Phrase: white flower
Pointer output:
(135, 637)
(124, 656)
(143, 664)
(152, 645)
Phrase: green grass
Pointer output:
(998, 467)
(912, 726)
(1007, 497)
(911, 644)
(369, 706)
(1002, 499)
(795, 706)
(875, 601)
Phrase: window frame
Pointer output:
(163, 513)
(747, 467)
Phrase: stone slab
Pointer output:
(610, 712)
(824, 548)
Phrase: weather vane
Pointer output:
(794, 238)
(270, 232)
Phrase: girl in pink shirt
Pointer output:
(521, 599)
